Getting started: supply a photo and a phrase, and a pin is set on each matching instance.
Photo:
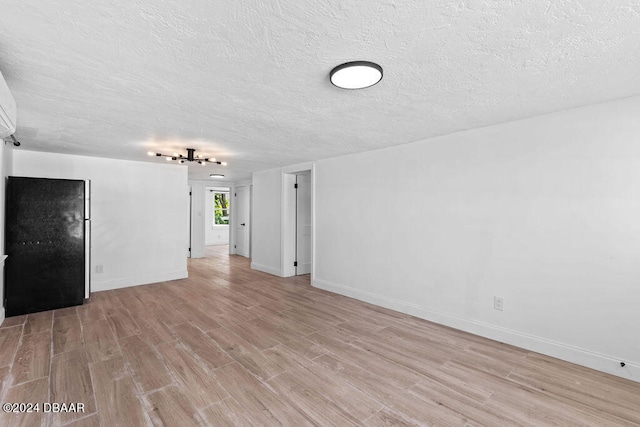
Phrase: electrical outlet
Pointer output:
(99, 269)
(498, 303)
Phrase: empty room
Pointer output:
(348, 213)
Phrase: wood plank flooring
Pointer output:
(232, 346)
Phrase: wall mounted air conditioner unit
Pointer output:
(8, 111)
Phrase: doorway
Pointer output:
(217, 216)
(203, 217)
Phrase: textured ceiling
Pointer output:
(247, 81)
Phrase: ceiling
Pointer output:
(247, 81)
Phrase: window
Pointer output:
(220, 208)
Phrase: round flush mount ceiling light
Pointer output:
(216, 176)
(356, 75)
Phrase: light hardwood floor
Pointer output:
(232, 346)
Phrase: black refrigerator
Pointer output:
(47, 240)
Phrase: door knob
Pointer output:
(242, 224)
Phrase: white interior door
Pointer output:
(242, 220)
(303, 224)
(189, 222)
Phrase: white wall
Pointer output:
(6, 169)
(139, 216)
(266, 217)
(197, 218)
(543, 212)
(214, 234)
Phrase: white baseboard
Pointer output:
(1, 315)
(265, 269)
(579, 356)
(108, 285)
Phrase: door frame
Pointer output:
(288, 219)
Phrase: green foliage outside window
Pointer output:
(221, 209)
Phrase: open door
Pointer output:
(189, 222)
(303, 223)
(242, 225)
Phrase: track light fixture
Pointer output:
(190, 157)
